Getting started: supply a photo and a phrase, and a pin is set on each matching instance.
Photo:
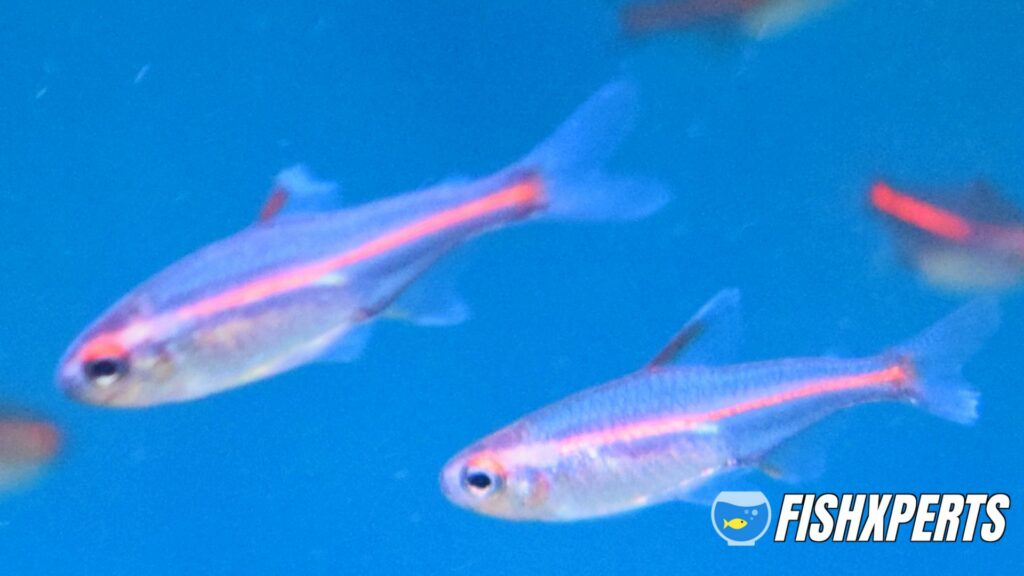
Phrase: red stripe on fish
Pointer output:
(920, 214)
(897, 375)
(526, 193)
(105, 345)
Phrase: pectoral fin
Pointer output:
(349, 346)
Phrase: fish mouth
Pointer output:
(67, 378)
(449, 481)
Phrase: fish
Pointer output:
(309, 278)
(735, 523)
(688, 422)
(758, 19)
(971, 241)
(28, 444)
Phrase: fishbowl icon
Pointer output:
(741, 518)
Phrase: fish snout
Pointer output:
(451, 482)
(70, 379)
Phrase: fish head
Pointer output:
(497, 478)
(122, 360)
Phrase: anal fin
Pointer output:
(703, 491)
(798, 459)
(349, 346)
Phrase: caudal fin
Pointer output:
(938, 353)
(570, 162)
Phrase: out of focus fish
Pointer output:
(27, 445)
(756, 18)
(966, 242)
(672, 431)
(305, 283)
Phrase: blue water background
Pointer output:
(134, 132)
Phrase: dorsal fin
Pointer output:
(987, 203)
(275, 201)
(711, 336)
(297, 190)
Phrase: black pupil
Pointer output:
(479, 480)
(104, 368)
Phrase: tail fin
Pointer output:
(570, 160)
(940, 351)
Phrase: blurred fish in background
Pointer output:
(967, 241)
(28, 444)
(755, 18)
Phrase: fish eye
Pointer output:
(104, 372)
(480, 482)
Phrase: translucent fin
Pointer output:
(349, 346)
(705, 491)
(712, 336)
(937, 354)
(775, 17)
(570, 161)
(430, 301)
(986, 203)
(297, 190)
(795, 460)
